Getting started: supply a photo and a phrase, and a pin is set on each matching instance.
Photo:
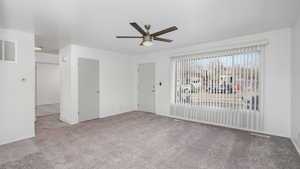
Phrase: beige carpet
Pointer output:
(138, 140)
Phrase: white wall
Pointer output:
(47, 79)
(295, 85)
(277, 71)
(17, 96)
(116, 82)
(66, 112)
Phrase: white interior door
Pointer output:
(146, 87)
(88, 71)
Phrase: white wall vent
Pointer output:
(7, 51)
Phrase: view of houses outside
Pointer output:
(220, 82)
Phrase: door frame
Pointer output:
(95, 59)
(138, 82)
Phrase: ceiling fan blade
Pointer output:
(138, 28)
(173, 28)
(162, 39)
(129, 37)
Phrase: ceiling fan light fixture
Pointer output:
(147, 43)
(38, 48)
(147, 40)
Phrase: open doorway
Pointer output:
(47, 85)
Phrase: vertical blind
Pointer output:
(222, 87)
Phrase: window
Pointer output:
(218, 82)
(7, 51)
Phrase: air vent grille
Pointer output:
(7, 51)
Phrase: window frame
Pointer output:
(205, 54)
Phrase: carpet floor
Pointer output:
(138, 140)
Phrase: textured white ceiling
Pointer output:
(95, 23)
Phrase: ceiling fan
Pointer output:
(147, 36)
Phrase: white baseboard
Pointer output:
(296, 145)
(8, 141)
(64, 119)
(112, 114)
(45, 104)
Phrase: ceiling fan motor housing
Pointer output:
(147, 37)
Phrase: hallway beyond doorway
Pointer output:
(47, 109)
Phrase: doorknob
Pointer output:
(153, 90)
(97, 91)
